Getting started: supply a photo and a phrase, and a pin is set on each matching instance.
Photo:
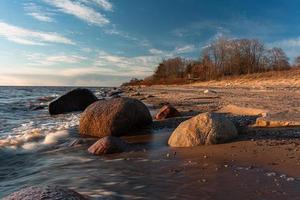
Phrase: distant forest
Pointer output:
(222, 58)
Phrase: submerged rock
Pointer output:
(75, 100)
(108, 145)
(114, 117)
(167, 111)
(205, 128)
(45, 192)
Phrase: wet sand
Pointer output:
(262, 163)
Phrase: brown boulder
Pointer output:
(167, 111)
(75, 100)
(44, 192)
(114, 117)
(205, 128)
(108, 145)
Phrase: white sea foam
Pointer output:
(48, 131)
(52, 138)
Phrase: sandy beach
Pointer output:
(263, 162)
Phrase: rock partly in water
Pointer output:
(108, 145)
(167, 111)
(45, 192)
(114, 117)
(75, 100)
(203, 129)
(114, 93)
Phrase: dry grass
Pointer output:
(287, 78)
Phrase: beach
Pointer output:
(261, 163)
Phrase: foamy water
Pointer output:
(22, 127)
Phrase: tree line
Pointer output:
(223, 57)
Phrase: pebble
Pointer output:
(271, 174)
(290, 179)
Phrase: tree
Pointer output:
(277, 59)
(297, 61)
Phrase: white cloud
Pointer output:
(127, 66)
(114, 31)
(80, 11)
(37, 59)
(176, 52)
(184, 49)
(104, 4)
(294, 42)
(291, 46)
(30, 37)
(156, 51)
(37, 12)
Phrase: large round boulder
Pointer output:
(114, 117)
(45, 192)
(108, 145)
(75, 100)
(205, 128)
(167, 111)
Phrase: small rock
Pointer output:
(167, 111)
(209, 91)
(45, 192)
(271, 174)
(108, 145)
(290, 179)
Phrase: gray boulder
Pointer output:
(203, 129)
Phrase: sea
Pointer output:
(38, 149)
(35, 146)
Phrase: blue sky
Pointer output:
(106, 42)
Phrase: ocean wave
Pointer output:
(42, 132)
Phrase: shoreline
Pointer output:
(270, 148)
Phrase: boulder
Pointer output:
(45, 192)
(167, 111)
(203, 129)
(114, 117)
(75, 100)
(108, 145)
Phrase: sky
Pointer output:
(107, 42)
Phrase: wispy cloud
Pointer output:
(156, 51)
(37, 59)
(114, 31)
(292, 42)
(37, 12)
(127, 66)
(175, 52)
(291, 46)
(184, 49)
(104, 4)
(80, 10)
(31, 37)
